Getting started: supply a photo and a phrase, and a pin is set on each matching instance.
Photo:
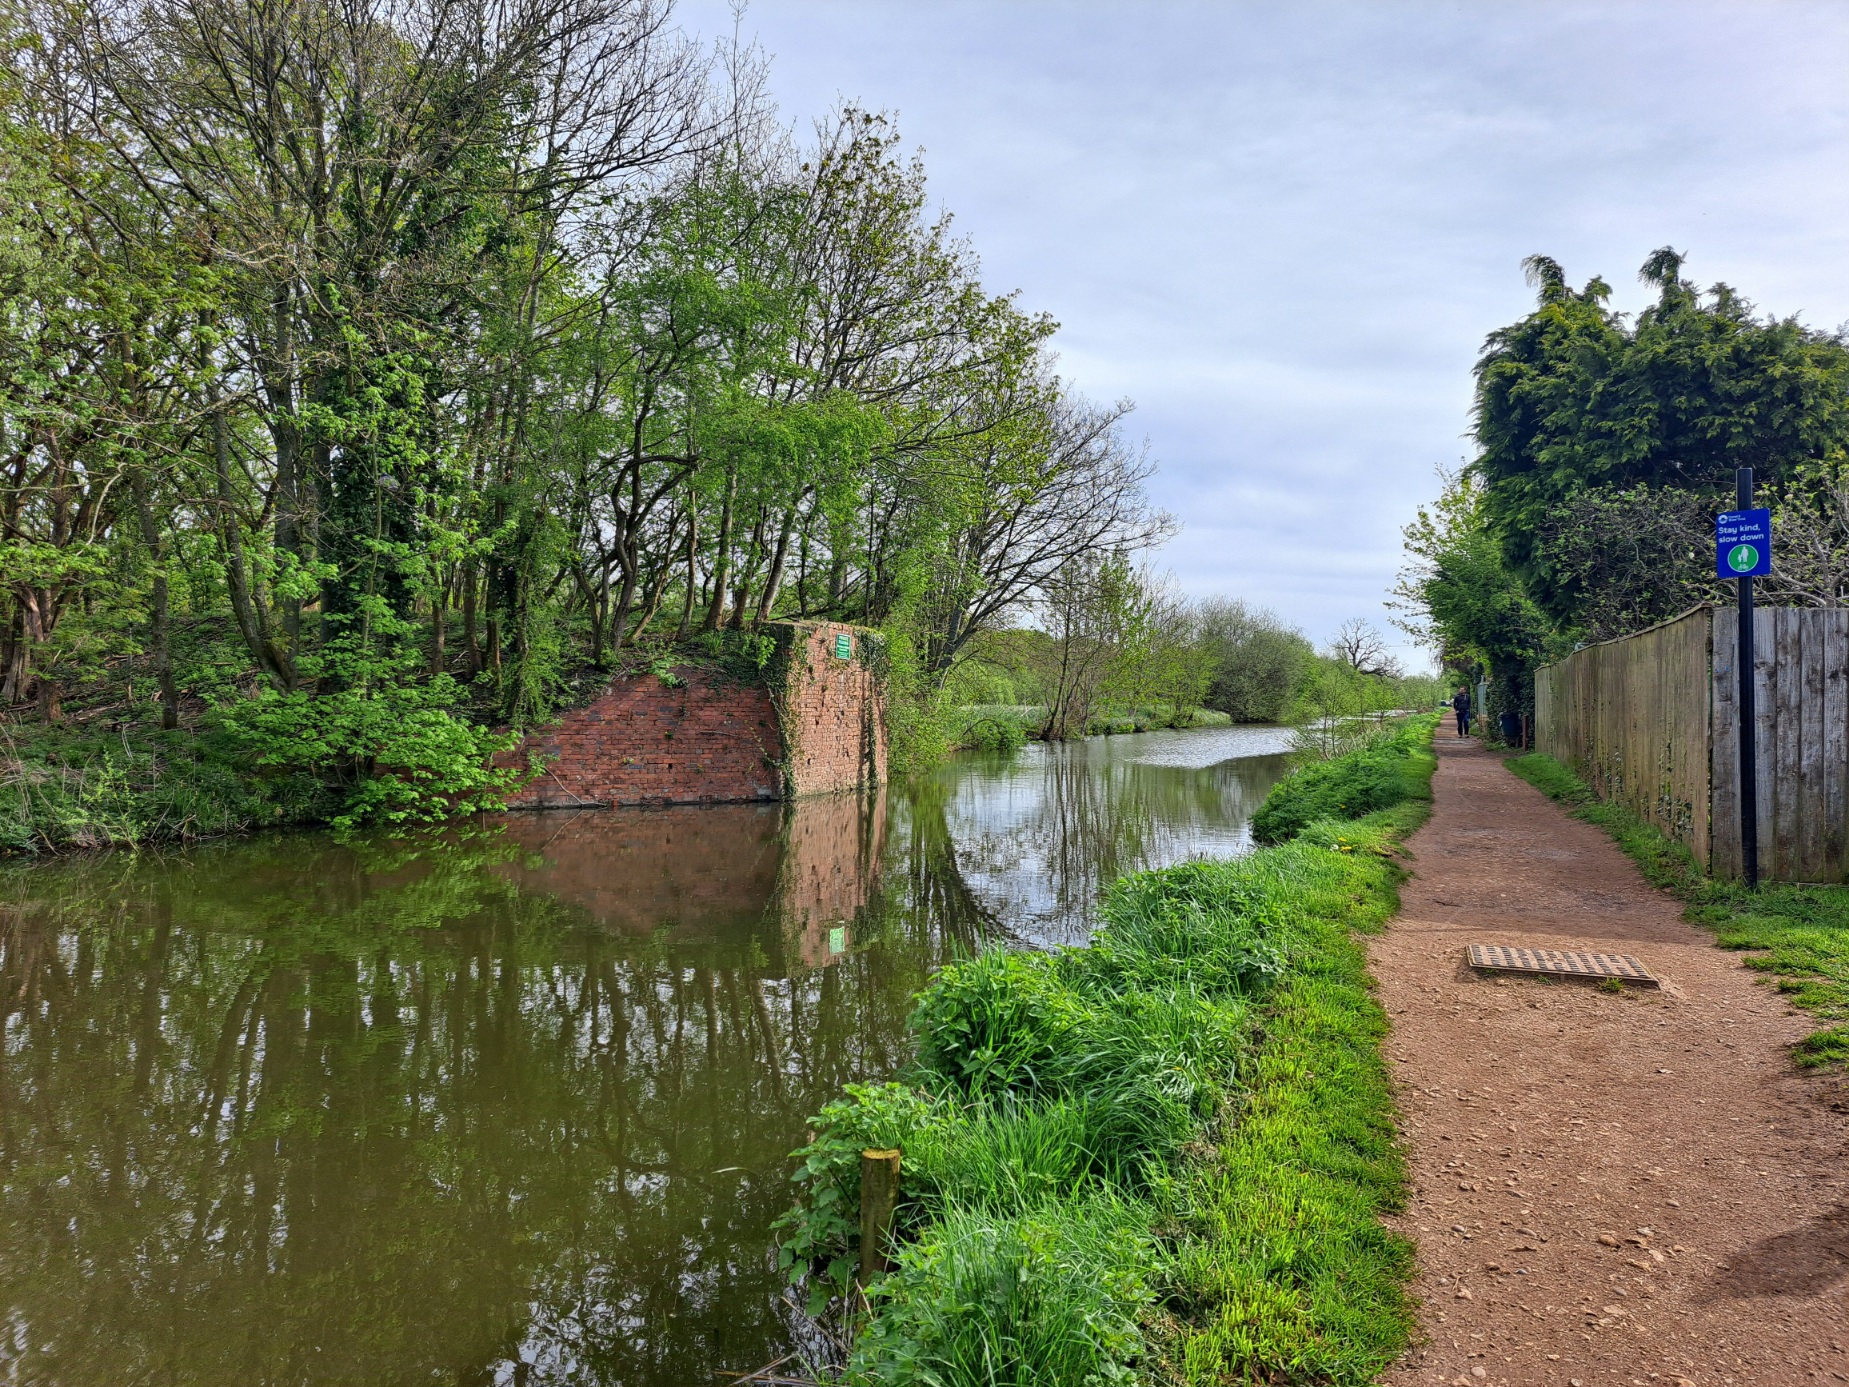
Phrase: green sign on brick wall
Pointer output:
(844, 647)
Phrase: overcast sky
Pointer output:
(1284, 229)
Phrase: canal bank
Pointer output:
(1169, 1151)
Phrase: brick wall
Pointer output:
(834, 722)
(714, 740)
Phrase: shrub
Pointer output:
(994, 734)
(994, 1022)
(395, 753)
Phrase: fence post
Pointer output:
(879, 1194)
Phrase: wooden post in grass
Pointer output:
(879, 1194)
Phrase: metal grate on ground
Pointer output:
(1556, 963)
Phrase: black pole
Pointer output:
(1749, 750)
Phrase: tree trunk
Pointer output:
(651, 603)
(693, 576)
(253, 621)
(439, 611)
(157, 601)
(471, 641)
(51, 700)
(774, 579)
(12, 689)
(722, 559)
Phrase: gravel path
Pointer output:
(1606, 1189)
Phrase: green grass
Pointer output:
(1160, 1158)
(1374, 775)
(1797, 935)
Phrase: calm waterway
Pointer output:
(511, 1105)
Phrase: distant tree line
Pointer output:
(1112, 647)
(1605, 446)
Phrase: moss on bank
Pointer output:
(1162, 1157)
(1797, 935)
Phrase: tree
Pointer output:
(371, 375)
(1573, 398)
(1458, 596)
(1257, 662)
(1360, 645)
(1118, 635)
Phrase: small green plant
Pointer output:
(821, 1232)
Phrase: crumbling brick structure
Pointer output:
(815, 724)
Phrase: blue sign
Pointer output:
(1743, 543)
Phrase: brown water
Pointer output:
(511, 1105)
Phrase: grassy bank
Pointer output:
(76, 788)
(1159, 1158)
(1005, 726)
(1798, 935)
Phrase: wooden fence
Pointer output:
(1649, 721)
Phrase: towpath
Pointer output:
(1631, 1189)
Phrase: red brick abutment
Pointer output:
(815, 725)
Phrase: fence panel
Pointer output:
(1801, 697)
(1632, 718)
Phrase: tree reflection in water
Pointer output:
(509, 1105)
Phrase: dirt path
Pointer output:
(1607, 1189)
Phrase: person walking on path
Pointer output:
(1604, 1188)
(1461, 706)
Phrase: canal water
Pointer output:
(511, 1104)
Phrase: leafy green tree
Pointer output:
(1574, 399)
(1258, 662)
(374, 375)
(1460, 597)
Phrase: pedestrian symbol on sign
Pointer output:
(1743, 543)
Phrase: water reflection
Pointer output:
(1041, 833)
(509, 1106)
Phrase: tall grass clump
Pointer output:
(1162, 1157)
(1376, 775)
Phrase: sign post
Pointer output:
(1743, 552)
